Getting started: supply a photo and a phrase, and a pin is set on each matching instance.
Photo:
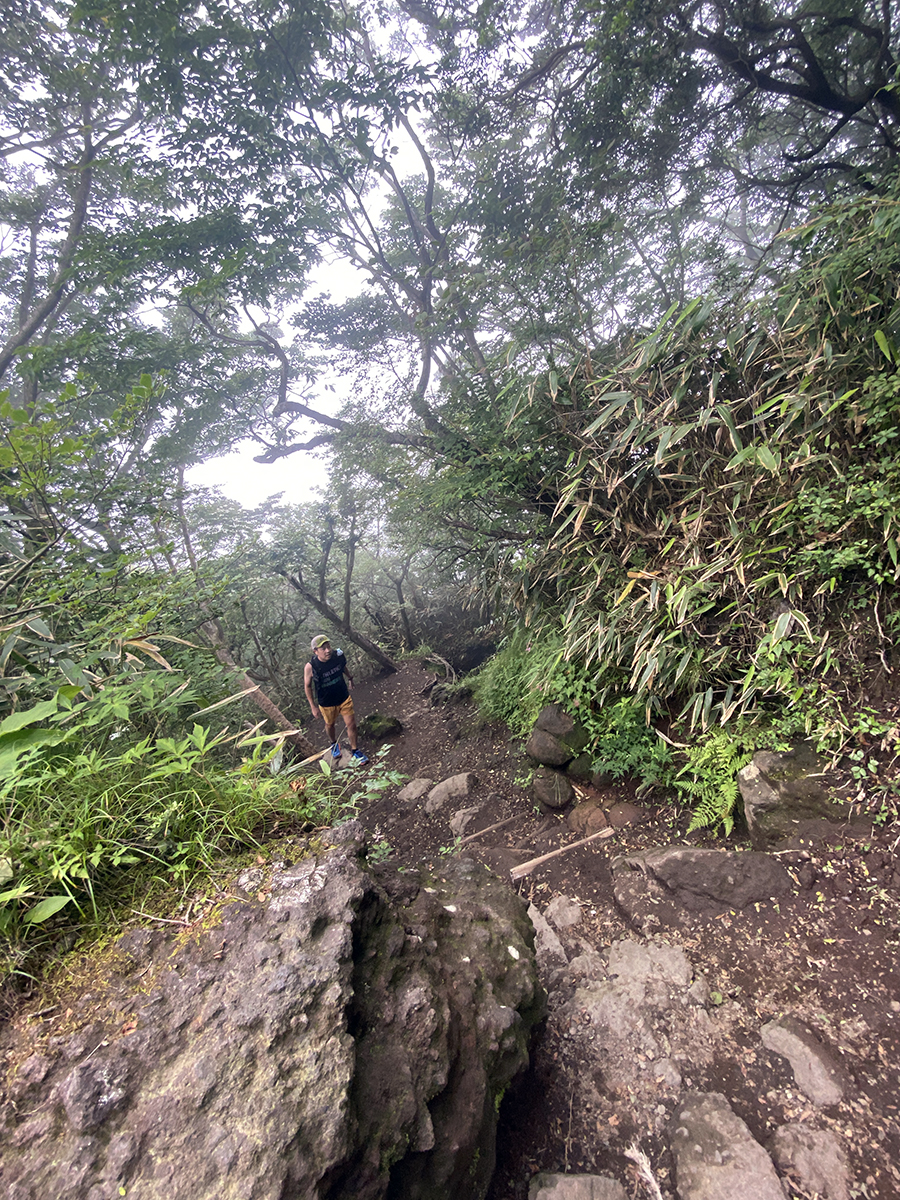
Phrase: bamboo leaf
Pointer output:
(45, 909)
(228, 700)
(149, 649)
(782, 626)
(626, 591)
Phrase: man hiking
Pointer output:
(327, 684)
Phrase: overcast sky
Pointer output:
(299, 477)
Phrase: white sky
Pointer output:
(299, 477)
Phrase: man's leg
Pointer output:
(350, 722)
(330, 716)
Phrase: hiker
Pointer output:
(327, 684)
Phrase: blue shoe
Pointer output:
(359, 757)
(336, 750)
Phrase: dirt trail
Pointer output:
(828, 954)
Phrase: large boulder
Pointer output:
(347, 1035)
(655, 886)
(786, 795)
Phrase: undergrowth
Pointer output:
(80, 831)
(698, 766)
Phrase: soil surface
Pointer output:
(827, 954)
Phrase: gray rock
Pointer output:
(565, 728)
(642, 982)
(816, 1071)
(655, 885)
(555, 720)
(589, 965)
(547, 1186)
(544, 748)
(716, 1157)
(666, 1073)
(415, 790)
(699, 993)
(587, 818)
(729, 878)
(787, 794)
(547, 946)
(460, 821)
(629, 960)
(457, 787)
(815, 1158)
(249, 882)
(552, 789)
(614, 1008)
(623, 813)
(358, 1027)
(563, 912)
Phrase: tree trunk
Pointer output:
(213, 631)
(214, 635)
(352, 635)
(398, 581)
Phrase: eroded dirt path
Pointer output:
(828, 955)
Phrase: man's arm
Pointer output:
(347, 675)
(307, 687)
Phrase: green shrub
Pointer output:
(528, 673)
(515, 684)
(81, 828)
(708, 779)
(624, 745)
(727, 529)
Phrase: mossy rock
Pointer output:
(581, 768)
(377, 726)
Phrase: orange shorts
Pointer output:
(331, 713)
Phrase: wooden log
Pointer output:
(527, 867)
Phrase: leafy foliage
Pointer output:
(83, 831)
(624, 745)
(708, 780)
(528, 673)
(728, 524)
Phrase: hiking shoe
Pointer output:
(359, 757)
(336, 750)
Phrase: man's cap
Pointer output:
(321, 639)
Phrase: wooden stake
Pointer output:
(489, 829)
(527, 867)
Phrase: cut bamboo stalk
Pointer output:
(313, 758)
(489, 829)
(527, 867)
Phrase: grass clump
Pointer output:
(81, 830)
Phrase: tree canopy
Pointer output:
(620, 361)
